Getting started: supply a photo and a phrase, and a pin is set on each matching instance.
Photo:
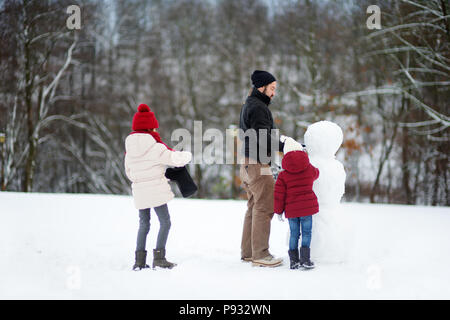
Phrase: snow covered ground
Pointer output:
(61, 246)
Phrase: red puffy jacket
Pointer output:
(293, 192)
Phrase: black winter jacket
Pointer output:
(255, 114)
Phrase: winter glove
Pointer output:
(181, 176)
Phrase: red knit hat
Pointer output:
(144, 119)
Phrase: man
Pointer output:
(255, 173)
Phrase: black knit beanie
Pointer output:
(262, 78)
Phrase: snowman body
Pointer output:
(329, 233)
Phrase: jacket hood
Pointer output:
(295, 161)
(138, 143)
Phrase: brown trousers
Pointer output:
(258, 182)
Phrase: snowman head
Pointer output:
(323, 139)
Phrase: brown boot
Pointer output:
(269, 261)
(140, 258)
(159, 259)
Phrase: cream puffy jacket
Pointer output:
(145, 165)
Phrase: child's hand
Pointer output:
(180, 158)
(187, 156)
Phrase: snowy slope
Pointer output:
(82, 247)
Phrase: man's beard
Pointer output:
(265, 92)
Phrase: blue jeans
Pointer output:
(144, 227)
(294, 224)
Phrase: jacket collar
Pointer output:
(260, 96)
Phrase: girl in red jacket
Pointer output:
(294, 195)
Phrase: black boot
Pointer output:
(305, 260)
(141, 257)
(293, 257)
(159, 259)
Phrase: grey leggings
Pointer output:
(144, 227)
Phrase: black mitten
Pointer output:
(181, 176)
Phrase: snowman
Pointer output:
(329, 236)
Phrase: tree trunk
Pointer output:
(29, 83)
(405, 162)
(198, 179)
(2, 163)
(386, 154)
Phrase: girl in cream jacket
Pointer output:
(146, 160)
